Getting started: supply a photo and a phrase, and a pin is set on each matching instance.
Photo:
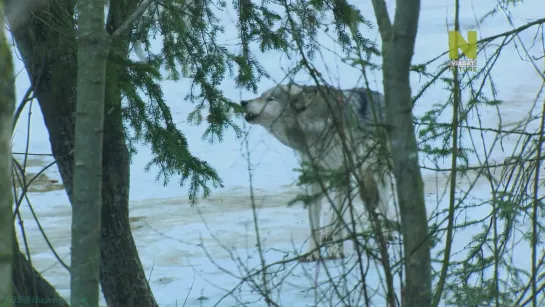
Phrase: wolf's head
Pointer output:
(280, 101)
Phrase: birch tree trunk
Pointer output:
(398, 41)
(7, 105)
(92, 46)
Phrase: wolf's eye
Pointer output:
(270, 99)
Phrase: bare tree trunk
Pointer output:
(7, 107)
(122, 283)
(47, 45)
(87, 202)
(398, 47)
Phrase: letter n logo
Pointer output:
(456, 41)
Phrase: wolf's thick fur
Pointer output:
(313, 121)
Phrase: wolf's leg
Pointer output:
(336, 214)
(314, 210)
(383, 197)
(376, 194)
(335, 231)
(329, 229)
(385, 209)
(369, 192)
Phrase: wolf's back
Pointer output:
(366, 105)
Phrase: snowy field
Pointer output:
(190, 253)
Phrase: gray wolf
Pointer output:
(314, 121)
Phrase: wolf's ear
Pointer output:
(301, 98)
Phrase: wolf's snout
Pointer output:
(248, 115)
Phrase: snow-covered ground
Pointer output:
(196, 253)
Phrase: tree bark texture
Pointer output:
(49, 55)
(127, 285)
(398, 40)
(92, 46)
(7, 108)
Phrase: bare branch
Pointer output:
(139, 12)
(31, 89)
(383, 19)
